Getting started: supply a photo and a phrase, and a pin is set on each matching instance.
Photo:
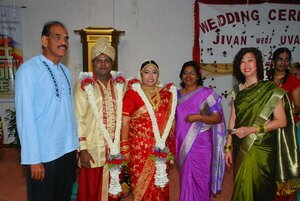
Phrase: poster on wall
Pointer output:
(11, 50)
(222, 30)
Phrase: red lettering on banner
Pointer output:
(231, 40)
(290, 39)
(221, 20)
(204, 27)
(212, 24)
(284, 15)
(271, 16)
(228, 18)
(244, 16)
(264, 40)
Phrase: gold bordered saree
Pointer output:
(262, 159)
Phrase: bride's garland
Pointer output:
(160, 152)
(115, 160)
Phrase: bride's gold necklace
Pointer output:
(149, 90)
(155, 101)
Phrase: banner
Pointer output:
(11, 50)
(224, 29)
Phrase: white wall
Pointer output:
(162, 30)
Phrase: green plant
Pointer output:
(12, 126)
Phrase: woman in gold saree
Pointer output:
(257, 114)
(147, 138)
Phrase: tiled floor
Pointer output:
(13, 188)
(12, 176)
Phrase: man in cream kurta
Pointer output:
(93, 172)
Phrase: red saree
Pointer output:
(141, 142)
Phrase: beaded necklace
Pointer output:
(57, 92)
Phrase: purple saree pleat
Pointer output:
(199, 147)
(195, 174)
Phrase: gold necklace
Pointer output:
(246, 85)
(153, 98)
(145, 89)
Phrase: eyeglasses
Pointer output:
(283, 59)
(189, 73)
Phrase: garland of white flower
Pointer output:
(114, 149)
(161, 177)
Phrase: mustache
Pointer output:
(63, 46)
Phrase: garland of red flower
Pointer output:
(115, 159)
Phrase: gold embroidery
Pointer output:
(144, 179)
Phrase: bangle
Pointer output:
(124, 148)
(264, 128)
(124, 143)
(261, 128)
(124, 152)
(228, 148)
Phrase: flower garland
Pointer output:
(160, 153)
(115, 160)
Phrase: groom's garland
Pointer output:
(115, 159)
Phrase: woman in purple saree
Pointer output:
(200, 137)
